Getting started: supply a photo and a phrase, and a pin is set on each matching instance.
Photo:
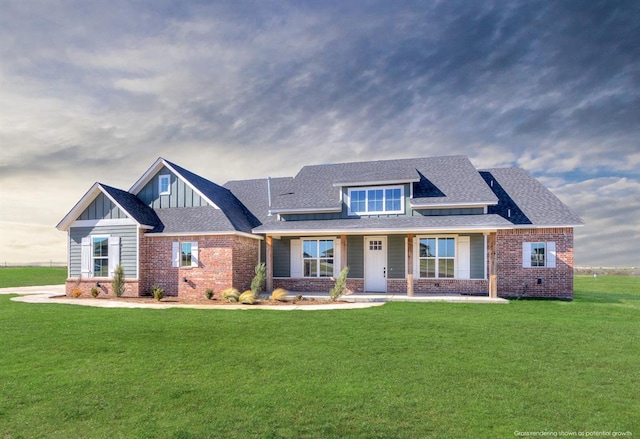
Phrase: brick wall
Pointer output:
(223, 261)
(516, 281)
(451, 286)
(315, 284)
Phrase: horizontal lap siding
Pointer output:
(128, 247)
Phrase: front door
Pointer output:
(375, 264)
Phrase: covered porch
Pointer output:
(420, 265)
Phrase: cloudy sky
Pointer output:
(97, 90)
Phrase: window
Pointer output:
(317, 257)
(376, 200)
(164, 184)
(100, 256)
(539, 254)
(185, 254)
(437, 257)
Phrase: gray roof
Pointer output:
(255, 196)
(133, 206)
(437, 180)
(529, 201)
(236, 214)
(407, 224)
(194, 220)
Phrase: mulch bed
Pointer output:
(204, 301)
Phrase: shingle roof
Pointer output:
(529, 201)
(140, 212)
(407, 224)
(255, 195)
(438, 180)
(194, 220)
(237, 215)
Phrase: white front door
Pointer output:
(375, 264)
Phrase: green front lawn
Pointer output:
(32, 276)
(403, 370)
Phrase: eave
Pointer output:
(85, 201)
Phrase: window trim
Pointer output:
(176, 254)
(93, 256)
(549, 254)
(318, 259)
(437, 258)
(366, 190)
(161, 179)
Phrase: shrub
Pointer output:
(94, 292)
(230, 295)
(279, 294)
(76, 292)
(340, 285)
(257, 284)
(158, 292)
(209, 293)
(247, 298)
(117, 283)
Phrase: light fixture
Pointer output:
(184, 279)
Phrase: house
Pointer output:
(410, 226)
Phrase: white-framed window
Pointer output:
(99, 254)
(437, 257)
(185, 254)
(538, 254)
(376, 200)
(317, 257)
(164, 184)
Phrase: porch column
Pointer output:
(410, 264)
(493, 266)
(343, 251)
(269, 241)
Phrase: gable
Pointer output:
(102, 208)
(180, 194)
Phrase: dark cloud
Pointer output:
(553, 86)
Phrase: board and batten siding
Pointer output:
(102, 208)
(476, 247)
(395, 256)
(282, 257)
(181, 194)
(128, 247)
(355, 256)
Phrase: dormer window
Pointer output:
(164, 184)
(376, 200)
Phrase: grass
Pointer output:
(404, 370)
(32, 276)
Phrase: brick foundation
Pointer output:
(315, 285)
(516, 281)
(451, 286)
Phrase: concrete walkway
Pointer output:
(47, 294)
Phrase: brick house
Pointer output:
(411, 226)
